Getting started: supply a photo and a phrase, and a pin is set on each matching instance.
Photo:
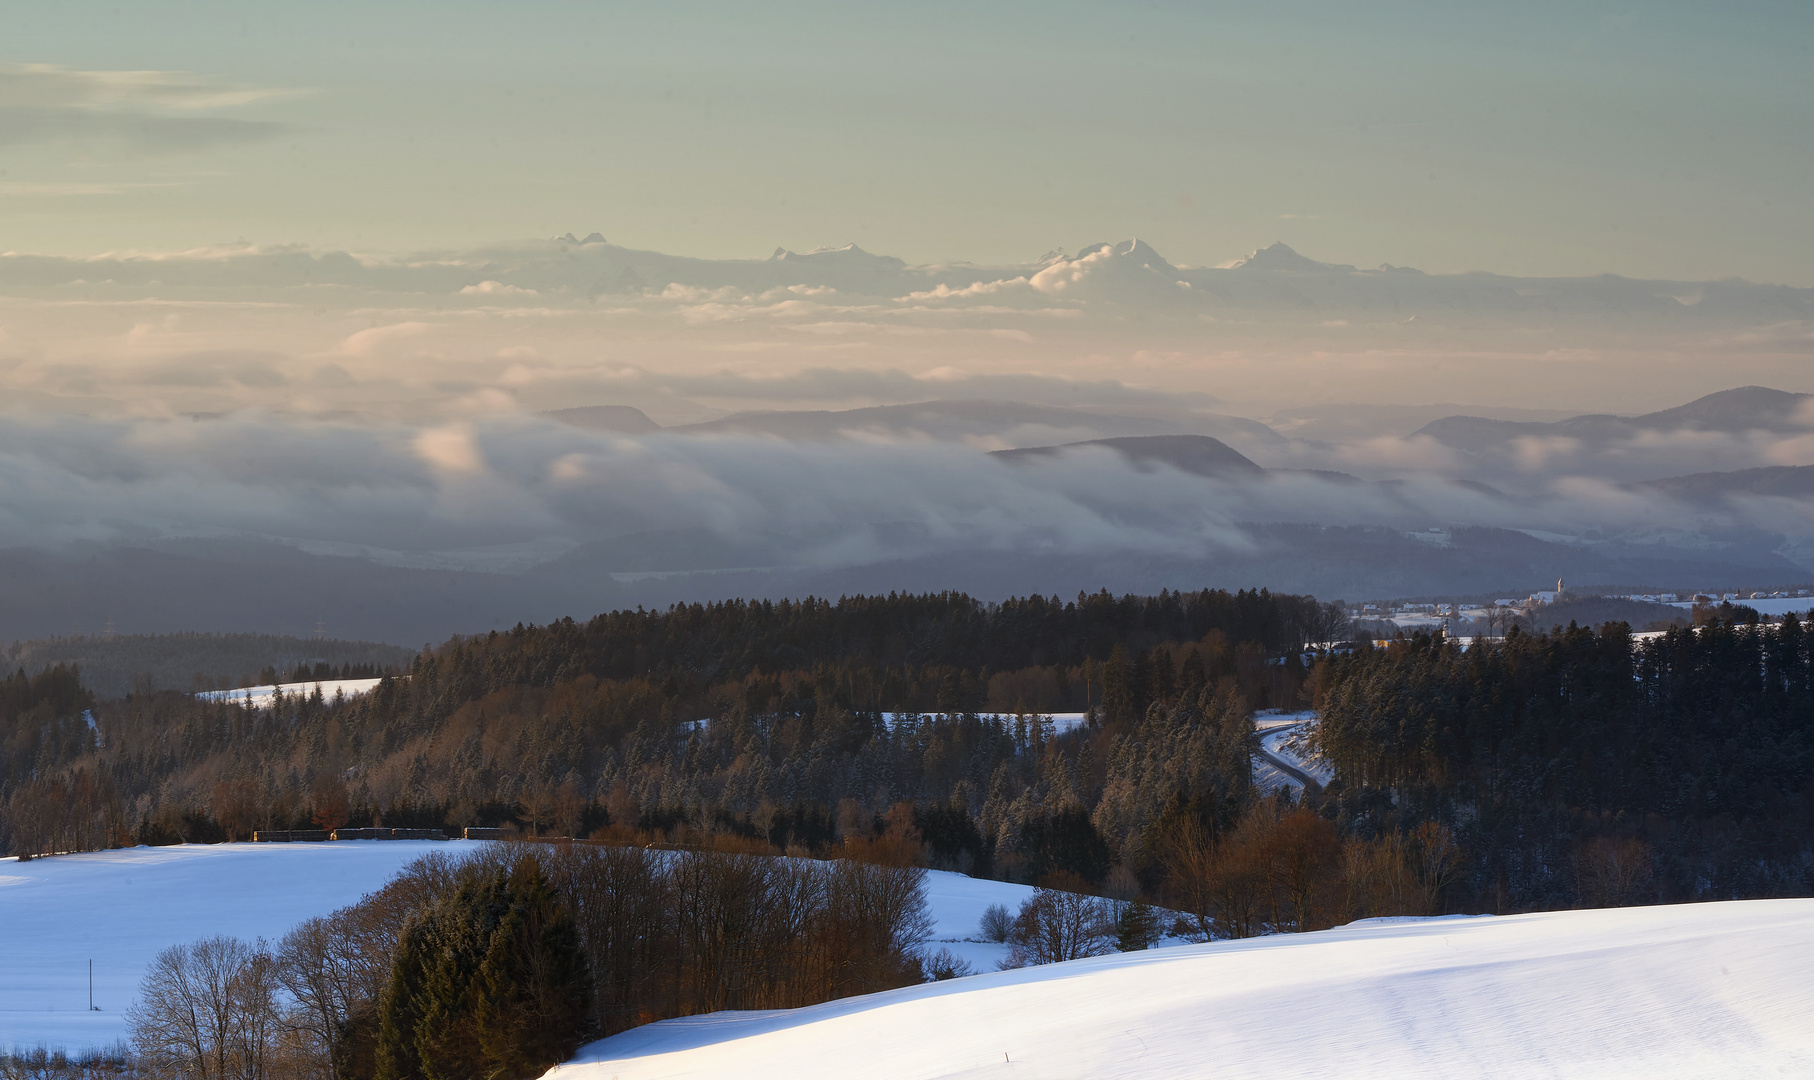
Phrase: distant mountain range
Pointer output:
(1199, 455)
(964, 420)
(623, 419)
(1747, 408)
(1274, 278)
(1780, 481)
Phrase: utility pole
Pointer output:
(91, 1007)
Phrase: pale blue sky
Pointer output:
(1665, 140)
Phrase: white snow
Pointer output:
(1706, 990)
(260, 696)
(957, 904)
(1273, 719)
(120, 908)
(1061, 722)
(1692, 990)
(1282, 736)
(1289, 745)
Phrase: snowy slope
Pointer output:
(260, 696)
(957, 904)
(119, 908)
(1061, 722)
(1707, 990)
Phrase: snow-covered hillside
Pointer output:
(1698, 990)
(260, 696)
(119, 908)
(1708, 990)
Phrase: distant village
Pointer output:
(1463, 618)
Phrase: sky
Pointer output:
(291, 274)
(1662, 140)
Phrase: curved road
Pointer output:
(1309, 782)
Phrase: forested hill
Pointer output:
(1535, 771)
(737, 638)
(708, 714)
(115, 665)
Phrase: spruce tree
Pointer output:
(534, 994)
(1138, 926)
(489, 984)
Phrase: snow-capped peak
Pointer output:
(821, 252)
(1281, 257)
(1132, 250)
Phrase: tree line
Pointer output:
(1538, 771)
(499, 964)
(689, 718)
(115, 665)
(1588, 767)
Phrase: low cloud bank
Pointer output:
(461, 493)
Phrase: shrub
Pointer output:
(945, 964)
(997, 924)
(1137, 926)
(1055, 926)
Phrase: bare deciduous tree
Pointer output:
(208, 1011)
(1612, 871)
(1055, 925)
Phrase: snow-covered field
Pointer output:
(1706, 990)
(119, 908)
(957, 903)
(1061, 722)
(1693, 990)
(260, 696)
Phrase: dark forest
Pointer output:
(1573, 767)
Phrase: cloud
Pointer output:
(366, 342)
(144, 111)
(1069, 274)
(452, 487)
(451, 449)
(217, 369)
(139, 132)
(66, 189)
(495, 288)
(819, 387)
(976, 288)
(55, 86)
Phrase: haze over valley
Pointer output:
(404, 448)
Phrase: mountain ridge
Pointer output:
(1133, 271)
(1197, 454)
(1744, 408)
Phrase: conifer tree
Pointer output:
(534, 993)
(489, 984)
(1138, 927)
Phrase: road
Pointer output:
(1269, 725)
